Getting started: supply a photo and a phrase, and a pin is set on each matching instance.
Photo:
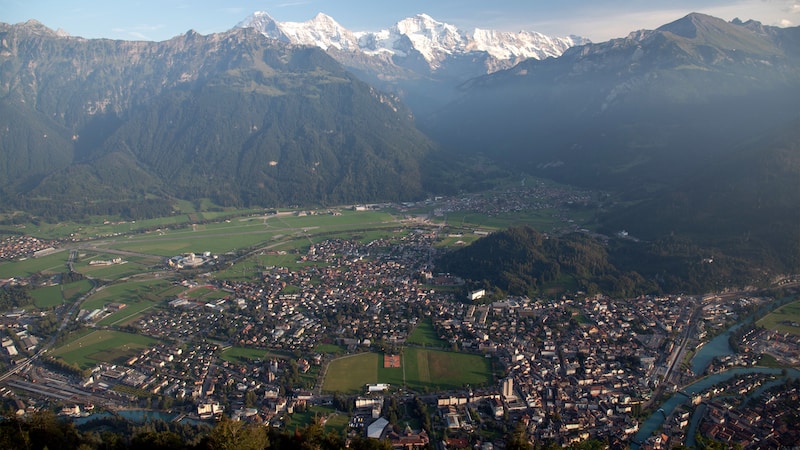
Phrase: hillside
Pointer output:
(237, 117)
(638, 112)
(522, 261)
(745, 205)
(690, 128)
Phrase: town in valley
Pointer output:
(456, 368)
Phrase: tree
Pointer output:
(250, 398)
(236, 435)
(518, 440)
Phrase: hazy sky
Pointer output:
(598, 20)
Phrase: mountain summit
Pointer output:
(434, 41)
(419, 58)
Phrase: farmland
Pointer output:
(112, 347)
(785, 319)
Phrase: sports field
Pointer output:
(420, 370)
(102, 346)
(785, 319)
(352, 372)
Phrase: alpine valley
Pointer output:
(691, 128)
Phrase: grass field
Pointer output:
(131, 293)
(351, 373)
(73, 291)
(102, 346)
(542, 219)
(47, 297)
(241, 354)
(113, 272)
(130, 313)
(333, 419)
(329, 348)
(445, 370)
(424, 370)
(246, 232)
(425, 335)
(785, 319)
(55, 263)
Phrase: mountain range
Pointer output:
(417, 53)
(678, 121)
(236, 116)
(690, 128)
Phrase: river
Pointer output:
(136, 416)
(719, 346)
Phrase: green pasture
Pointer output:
(132, 266)
(785, 319)
(425, 335)
(244, 232)
(112, 347)
(242, 354)
(424, 370)
(179, 242)
(103, 227)
(429, 370)
(129, 313)
(329, 348)
(73, 291)
(54, 263)
(131, 292)
(47, 297)
(539, 219)
(457, 240)
(251, 267)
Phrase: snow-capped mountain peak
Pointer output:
(421, 34)
(321, 31)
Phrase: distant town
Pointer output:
(562, 369)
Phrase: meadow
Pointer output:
(243, 354)
(785, 319)
(247, 232)
(425, 335)
(53, 296)
(50, 264)
(108, 346)
(47, 297)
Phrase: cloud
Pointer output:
(138, 32)
(290, 4)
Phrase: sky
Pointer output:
(598, 20)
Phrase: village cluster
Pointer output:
(572, 368)
(569, 368)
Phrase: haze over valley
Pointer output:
(514, 228)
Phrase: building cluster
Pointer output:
(163, 369)
(784, 347)
(750, 411)
(527, 196)
(577, 368)
(768, 420)
(573, 367)
(22, 246)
